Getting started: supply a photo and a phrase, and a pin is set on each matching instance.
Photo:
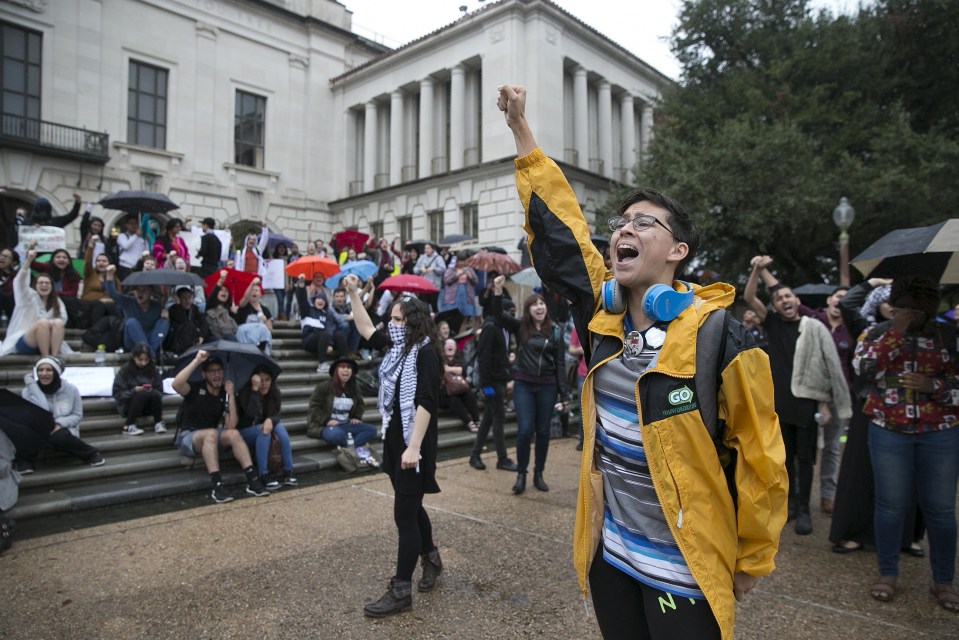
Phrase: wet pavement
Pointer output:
(303, 562)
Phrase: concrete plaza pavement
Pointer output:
(303, 562)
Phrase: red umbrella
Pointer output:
(484, 260)
(310, 265)
(236, 282)
(407, 282)
(349, 238)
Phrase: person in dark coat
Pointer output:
(210, 249)
(408, 401)
(138, 390)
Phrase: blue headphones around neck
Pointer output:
(661, 302)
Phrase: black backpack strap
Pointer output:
(710, 355)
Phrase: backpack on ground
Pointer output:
(107, 331)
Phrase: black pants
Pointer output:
(494, 414)
(317, 341)
(628, 609)
(415, 533)
(800, 445)
(29, 443)
(800, 457)
(463, 405)
(143, 403)
(100, 310)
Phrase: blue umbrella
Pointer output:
(360, 268)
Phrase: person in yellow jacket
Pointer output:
(666, 538)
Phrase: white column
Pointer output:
(581, 117)
(457, 116)
(646, 133)
(396, 137)
(606, 127)
(369, 147)
(426, 127)
(628, 127)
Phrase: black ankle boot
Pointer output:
(520, 485)
(476, 462)
(803, 521)
(538, 481)
(397, 599)
(432, 568)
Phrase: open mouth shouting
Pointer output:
(626, 253)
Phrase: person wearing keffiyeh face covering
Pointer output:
(408, 397)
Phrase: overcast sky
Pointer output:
(641, 26)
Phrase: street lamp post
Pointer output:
(843, 215)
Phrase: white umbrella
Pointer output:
(527, 278)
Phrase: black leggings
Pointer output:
(628, 609)
(145, 402)
(800, 443)
(415, 532)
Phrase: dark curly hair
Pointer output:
(915, 292)
(419, 323)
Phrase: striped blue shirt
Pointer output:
(636, 538)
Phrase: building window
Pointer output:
(20, 81)
(404, 227)
(146, 105)
(249, 129)
(376, 230)
(469, 214)
(435, 221)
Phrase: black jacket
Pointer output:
(210, 251)
(493, 351)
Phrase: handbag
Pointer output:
(274, 459)
(454, 384)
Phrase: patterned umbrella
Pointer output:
(486, 260)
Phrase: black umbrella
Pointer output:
(928, 251)
(452, 317)
(138, 202)
(814, 294)
(162, 277)
(416, 244)
(239, 359)
(23, 412)
(456, 238)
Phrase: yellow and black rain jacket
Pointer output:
(716, 538)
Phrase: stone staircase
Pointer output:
(148, 467)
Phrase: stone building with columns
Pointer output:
(248, 109)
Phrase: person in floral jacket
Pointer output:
(913, 404)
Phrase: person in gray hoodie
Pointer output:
(47, 390)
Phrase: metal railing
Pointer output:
(50, 138)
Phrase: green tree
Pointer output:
(781, 111)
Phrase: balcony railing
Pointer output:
(53, 139)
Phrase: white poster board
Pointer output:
(272, 275)
(48, 238)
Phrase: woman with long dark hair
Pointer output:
(258, 405)
(39, 316)
(408, 398)
(219, 311)
(66, 280)
(170, 245)
(540, 373)
(336, 410)
(138, 390)
(98, 303)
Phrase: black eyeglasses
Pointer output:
(640, 223)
